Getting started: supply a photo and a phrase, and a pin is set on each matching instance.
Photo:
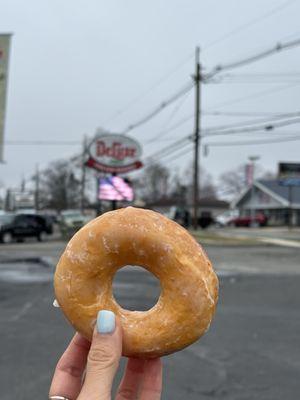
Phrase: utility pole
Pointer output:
(37, 188)
(83, 174)
(252, 209)
(98, 203)
(197, 78)
(290, 211)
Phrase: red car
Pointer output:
(258, 220)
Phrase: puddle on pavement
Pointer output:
(25, 272)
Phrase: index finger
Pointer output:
(67, 379)
(152, 382)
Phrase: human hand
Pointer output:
(100, 359)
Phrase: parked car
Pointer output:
(21, 226)
(258, 220)
(71, 221)
(205, 220)
(226, 217)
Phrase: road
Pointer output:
(271, 235)
(250, 352)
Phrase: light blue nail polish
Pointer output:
(106, 321)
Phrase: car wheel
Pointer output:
(42, 236)
(7, 237)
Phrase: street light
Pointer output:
(252, 159)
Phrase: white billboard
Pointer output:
(4, 57)
(114, 154)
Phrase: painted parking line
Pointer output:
(280, 242)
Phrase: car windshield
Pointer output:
(6, 219)
(71, 214)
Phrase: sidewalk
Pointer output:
(273, 236)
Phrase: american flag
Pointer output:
(115, 188)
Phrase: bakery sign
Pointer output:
(112, 153)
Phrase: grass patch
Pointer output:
(209, 237)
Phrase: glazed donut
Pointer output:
(131, 236)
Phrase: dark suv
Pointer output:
(20, 226)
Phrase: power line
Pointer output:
(253, 142)
(255, 95)
(216, 70)
(248, 113)
(262, 74)
(268, 124)
(175, 110)
(172, 151)
(168, 149)
(182, 153)
(249, 24)
(42, 142)
(183, 142)
(160, 108)
(258, 114)
(151, 88)
(173, 127)
(267, 127)
(244, 124)
(257, 78)
(165, 158)
(214, 131)
(249, 60)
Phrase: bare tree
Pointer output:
(233, 182)
(207, 188)
(154, 182)
(60, 188)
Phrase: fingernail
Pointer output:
(106, 321)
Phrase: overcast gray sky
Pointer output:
(75, 64)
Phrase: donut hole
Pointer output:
(135, 288)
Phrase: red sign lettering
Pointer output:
(116, 150)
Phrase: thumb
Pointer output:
(103, 358)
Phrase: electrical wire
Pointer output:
(175, 110)
(170, 148)
(170, 129)
(269, 127)
(247, 113)
(256, 78)
(160, 108)
(253, 124)
(144, 94)
(212, 129)
(262, 74)
(253, 142)
(249, 60)
(182, 153)
(254, 95)
(182, 150)
(248, 24)
(176, 157)
(42, 142)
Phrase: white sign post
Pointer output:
(4, 56)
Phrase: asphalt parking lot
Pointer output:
(250, 352)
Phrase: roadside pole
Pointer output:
(252, 209)
(290, 199)
(98, 204)
(37, 188)
(197, 137)
(83, 174)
